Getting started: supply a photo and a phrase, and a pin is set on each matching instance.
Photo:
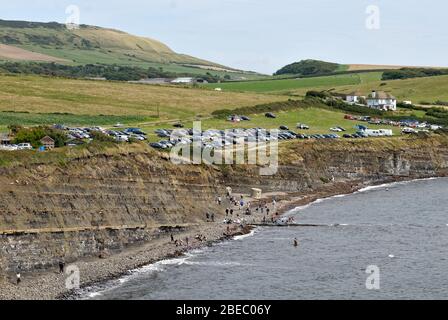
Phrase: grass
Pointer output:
(416, 90)
(290, 86)
(31, 119)
(36, 94)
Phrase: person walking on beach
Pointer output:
(207, 215)
(172, 238)
(219, 200)
(231, 212)
(227, 212)
(296, 242)
(18, 278)
(61, 266)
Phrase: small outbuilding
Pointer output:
(5, 139)
(47, 142)
(256, 193)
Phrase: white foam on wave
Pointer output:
(366, 189)
(159, 266)
(214, 263)
(94, 294)
(392, 184)
(244, 236)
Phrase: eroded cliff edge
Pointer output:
(107, 200)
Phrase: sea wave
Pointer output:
(244, 236)
(362, 190)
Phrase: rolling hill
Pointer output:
(53, 42)
(310, 67)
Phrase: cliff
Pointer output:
(103, 202)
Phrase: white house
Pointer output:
(382, 101)
(354, 97)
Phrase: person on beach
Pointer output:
(187, 240)
(213, 217)
(231, 212)
(219, 200)
(207, 215)
(172, 238)
(227, 212)
(296, 242)
(61, 266)
(18, 278)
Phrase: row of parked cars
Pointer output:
(413, 124)
(122, 135)
(15, 147)
(221, 138)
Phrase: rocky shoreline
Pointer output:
(51, 285)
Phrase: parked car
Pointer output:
(244, 118)
(157, 145)
(122, 138)
(335, 129)
(302, 126)
(270, 115)
(284, 128)
(24, 146)
(178, 125)
(135, 130)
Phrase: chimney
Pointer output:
(374, 94)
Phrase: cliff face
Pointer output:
(105, 202)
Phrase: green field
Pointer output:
(418, 90)
(290, 86)
(48, 95)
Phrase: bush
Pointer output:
(34, 135)
(101, 137)
(308, 67)
(406, 73)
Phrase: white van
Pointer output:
(379, 132)
(24, 146)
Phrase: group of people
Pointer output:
(19, 275)
(186, 241)
(210, 217)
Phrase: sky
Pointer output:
(264, 35)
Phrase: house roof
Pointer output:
(381, 95)
(47, 139)
(4, 137)
(356, 93)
